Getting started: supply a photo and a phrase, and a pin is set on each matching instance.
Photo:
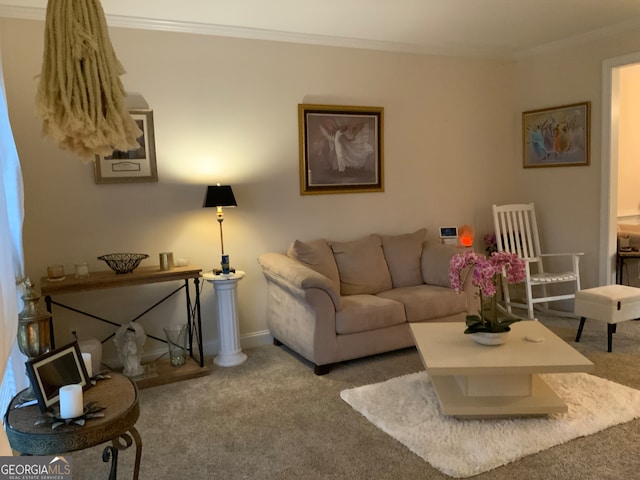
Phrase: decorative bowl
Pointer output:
(123, 262)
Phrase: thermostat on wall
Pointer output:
(449, 235)
(448, 232)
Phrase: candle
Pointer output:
(82, 270)
(86, 358)
(71, 401)
(55, 272)
(94, 348)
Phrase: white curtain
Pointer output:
(11, 254)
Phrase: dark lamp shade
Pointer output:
(219, 196)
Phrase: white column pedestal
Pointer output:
(226, 288)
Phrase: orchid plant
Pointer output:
(485, 272)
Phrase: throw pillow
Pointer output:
(435, 263)
(316, 255)
(403, 253)
(362, 266)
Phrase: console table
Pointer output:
(117, 394)
(140, 276)
(621, 257)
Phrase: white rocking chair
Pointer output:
(517, 232)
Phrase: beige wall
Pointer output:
(569, 198)
(225, 111)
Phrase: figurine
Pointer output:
(129, 341)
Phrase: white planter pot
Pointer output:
(489, 338)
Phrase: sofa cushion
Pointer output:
(427, 302)
(361, 313)
(362, 266)
(403, 253)
(435, 263)
(317, 255)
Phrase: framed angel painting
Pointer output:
(341, 149)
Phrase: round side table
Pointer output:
(226, 288)
(119, 396)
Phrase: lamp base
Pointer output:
(218, 271)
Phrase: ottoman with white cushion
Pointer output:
(611, 304)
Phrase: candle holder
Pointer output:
(91, 410)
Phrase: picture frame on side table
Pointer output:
(55, 369)
(341, 149)
(132, 166)
(557, 136)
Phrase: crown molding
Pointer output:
(598, 34)
(33, 13)
(442, 49)
(27, 13)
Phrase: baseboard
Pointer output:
(251, 340)
(256, 339)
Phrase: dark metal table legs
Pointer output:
(122, 442)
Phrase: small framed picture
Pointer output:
(557, 136)
(341, 149)
(55, 369)
(132, 166)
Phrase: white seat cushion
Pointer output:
(610, 303)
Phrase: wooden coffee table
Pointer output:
(478, 381)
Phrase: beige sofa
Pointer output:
(335, 301)
(631, 232)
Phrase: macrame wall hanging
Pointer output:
(80, 96)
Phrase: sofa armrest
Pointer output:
(301, 308)
(297, 275)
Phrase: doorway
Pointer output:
(609, 172)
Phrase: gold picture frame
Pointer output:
(341, 149)
(132, 166)
(557, 136)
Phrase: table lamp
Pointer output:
(220, 196)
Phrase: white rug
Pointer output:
(407, 409)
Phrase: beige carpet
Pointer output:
(407, 408)
(271, 418)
